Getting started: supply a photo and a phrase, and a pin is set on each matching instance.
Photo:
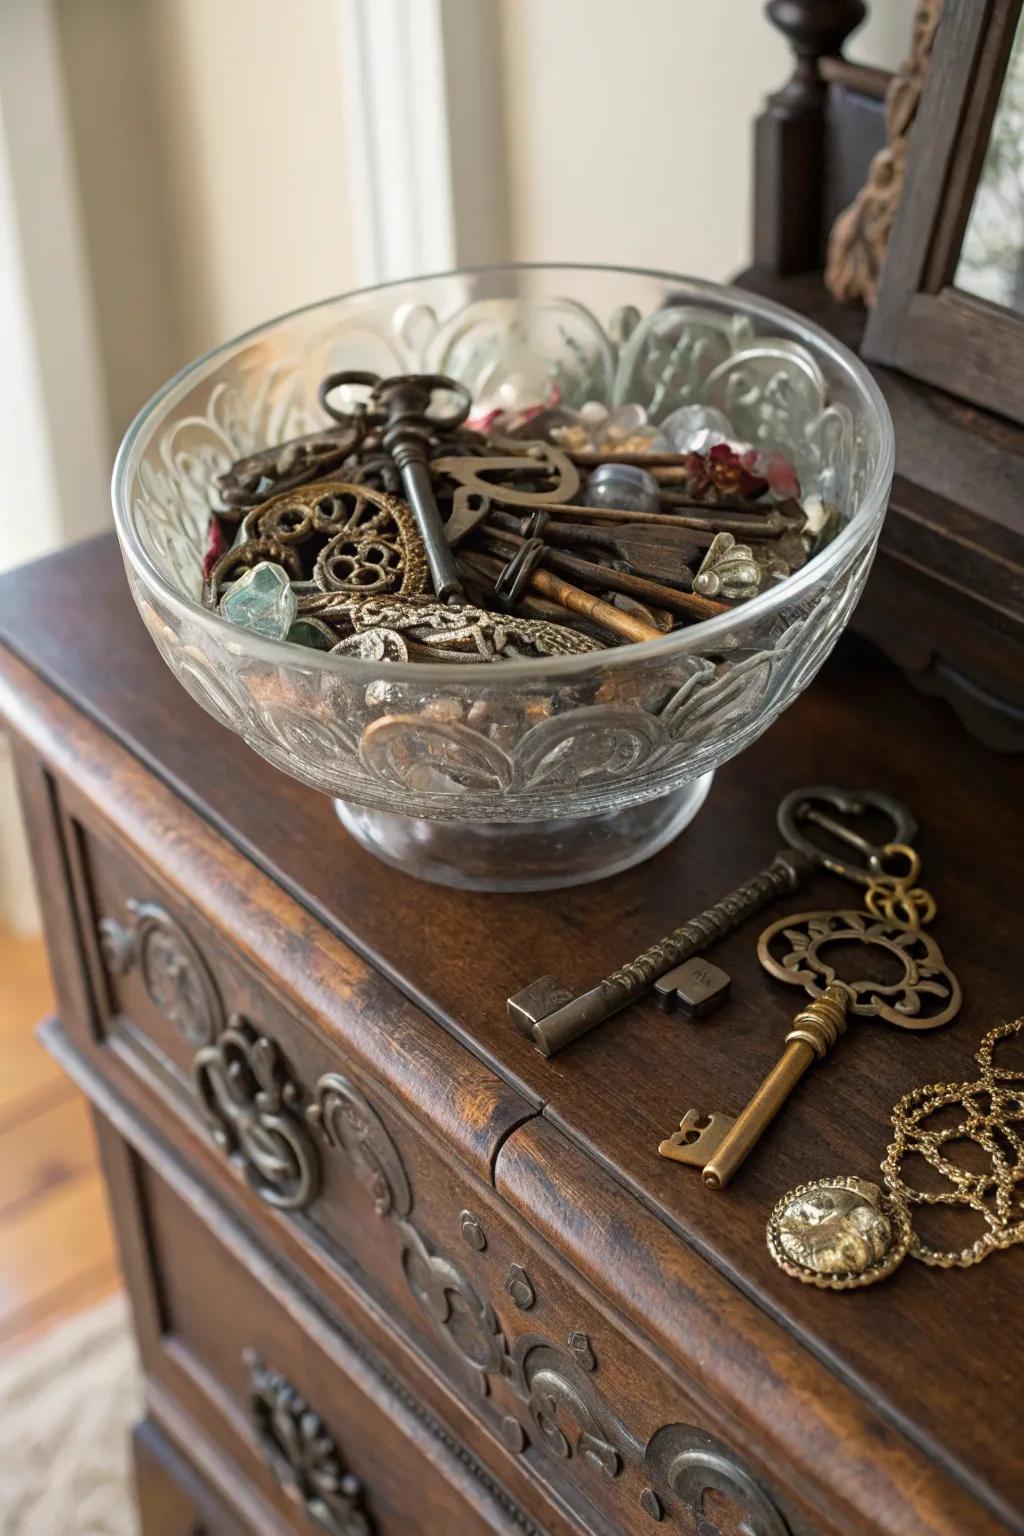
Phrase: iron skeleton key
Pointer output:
(550, 1015)
(402, 407)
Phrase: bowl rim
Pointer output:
(701, 635)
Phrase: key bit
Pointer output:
(696, 988)
(719, 1145)
(698, 1137)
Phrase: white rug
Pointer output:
(67, 1404)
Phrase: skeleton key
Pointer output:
(752, 527)
(550, 1015)
(403, 408)
(669, 555)
(609, 578)
(925, 996)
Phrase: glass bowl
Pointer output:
(522, 774)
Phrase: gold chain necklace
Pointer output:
(845, 1233)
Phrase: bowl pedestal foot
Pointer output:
(525, 855)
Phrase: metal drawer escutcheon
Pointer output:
(304, 1458)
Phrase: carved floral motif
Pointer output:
(305, 1459)
(176, 977)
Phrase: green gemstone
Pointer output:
(312, 633)
(262, 600)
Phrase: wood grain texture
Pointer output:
(918, 1349)
(56, 1245)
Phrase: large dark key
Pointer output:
(552, 1017)
(404, 405)
(667, 555)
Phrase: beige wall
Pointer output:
(629, 124)
(209, 142)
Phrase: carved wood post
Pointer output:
(789, 150)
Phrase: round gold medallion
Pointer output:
(839, 1233)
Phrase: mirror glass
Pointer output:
(992, 256)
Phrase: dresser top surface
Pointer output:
(943, 1350)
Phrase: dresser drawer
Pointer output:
(285, 1119)
(307, 1430)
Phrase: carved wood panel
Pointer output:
(690, 1478)
(258, 1114)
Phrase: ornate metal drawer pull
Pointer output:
(250, 1104)
(303, 1456)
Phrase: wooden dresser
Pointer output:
(394, 1272)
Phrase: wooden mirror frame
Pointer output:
(922, 324)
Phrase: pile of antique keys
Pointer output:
(401, 532)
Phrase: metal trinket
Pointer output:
(822, 1234)
(258, 476)
(532, 460)
(425, 629)
(839, 1234)
(992, 1108)
(728, 570)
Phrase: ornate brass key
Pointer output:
(925, 996)
(718, 1144)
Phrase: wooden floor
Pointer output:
(56, 1246)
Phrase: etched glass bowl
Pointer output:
(531, 773)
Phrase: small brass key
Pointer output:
(716, 1143)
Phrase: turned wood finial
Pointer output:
(790, 158)
(815, 29)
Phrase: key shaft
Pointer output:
(815, 1030)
